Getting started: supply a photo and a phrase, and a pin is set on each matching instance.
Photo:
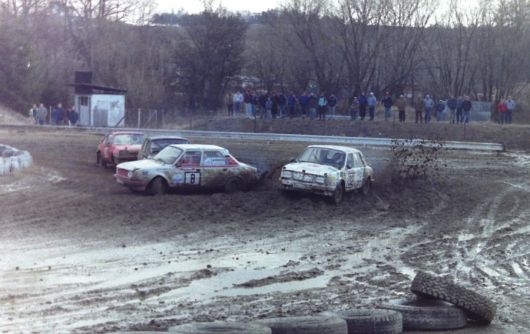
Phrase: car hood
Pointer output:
(310, 168)
(141, 164)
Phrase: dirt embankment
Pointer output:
(83, 254)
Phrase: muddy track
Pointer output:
(82, 254)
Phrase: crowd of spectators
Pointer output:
(268, 105)
(56, 115)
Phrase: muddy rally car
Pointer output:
(119, 146)
(327, 170)
(190, 166)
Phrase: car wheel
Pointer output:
(233, 185)
(100, 161)
(220, 328)
(476, 306)
(338, 194)
(427, 314)
(157, 187)
(371, 321)
(367, 186)
(318, 324)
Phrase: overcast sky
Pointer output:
(256, 6)
(195, 6)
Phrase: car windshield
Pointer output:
(128, 139)
(159, 144)
(323, 156)
(168, 155)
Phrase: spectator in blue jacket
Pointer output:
(304, 103)
(372, 103)
(282, 105)
(291, 105)
(466, 107)
(387, 103)
(428, 104)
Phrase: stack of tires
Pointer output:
(439, 304)
(12, 160)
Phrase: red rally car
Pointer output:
(119, 146)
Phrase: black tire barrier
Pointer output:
(219, 327)
(371, 321)
(476, 306)
(427, 314)
(319, 324)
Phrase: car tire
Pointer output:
(371, 321)
(427, 314)
(219, 327)
(100, 161)
(367, 186)
(233, 185)
(338, 194)
(319, 324)
(157, 187)
(476, 306)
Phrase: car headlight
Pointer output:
(320, 179)
(287, 174)
(130, 174)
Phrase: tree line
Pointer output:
(184, 62)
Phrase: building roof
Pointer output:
(91, 88)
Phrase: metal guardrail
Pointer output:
(280, 137)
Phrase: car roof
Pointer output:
(167, 137)
(338, 147)
(199, 147)
(113, 133)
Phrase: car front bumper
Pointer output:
(317, 188)
(130, 183)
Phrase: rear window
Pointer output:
(127, 139)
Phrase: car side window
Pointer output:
(191, 158)
(357, 161)
(349, 161)
(214, 158)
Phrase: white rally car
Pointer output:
(187, 166)
(328, 170)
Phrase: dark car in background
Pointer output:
(152, 145)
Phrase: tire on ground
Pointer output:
(366, 187)
(219, 327)
(427, 314)
(318, 324)
(371, 321)
(157, 186)
(476, 306)
(233, 185)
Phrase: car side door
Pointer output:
(188, 169)
(217, 167)
(358, 167)
(350, 172)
